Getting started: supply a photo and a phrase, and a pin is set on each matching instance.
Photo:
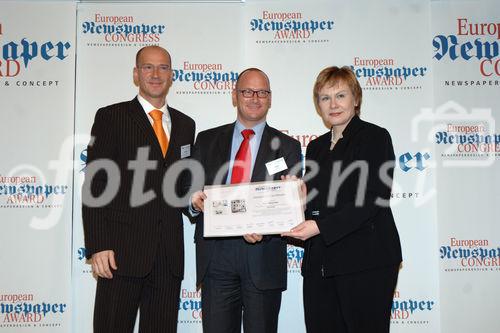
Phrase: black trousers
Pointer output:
(155, 295)
(352, 303)
(228, 294)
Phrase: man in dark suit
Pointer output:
(242, 276)
(134, 238)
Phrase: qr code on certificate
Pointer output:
(220, 207)
(238, 206)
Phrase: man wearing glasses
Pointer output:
(135, 240)
(242, 277)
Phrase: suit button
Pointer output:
(159, 222)
(165, 164)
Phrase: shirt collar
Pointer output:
(258, 129)
(148, 107)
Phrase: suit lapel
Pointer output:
(224, 143)
(174, 128)
(265, 154)
(343, 145)
(139, 116)
(338, 151)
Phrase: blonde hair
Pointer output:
(332, 76)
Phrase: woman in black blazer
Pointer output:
(352, 248)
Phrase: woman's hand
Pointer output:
(303, 231)
(303, 189)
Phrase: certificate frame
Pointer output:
(266, 208)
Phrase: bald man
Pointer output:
(136, 246)
(242, 278)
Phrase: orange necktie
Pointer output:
(159, 131)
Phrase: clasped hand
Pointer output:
(306, 229)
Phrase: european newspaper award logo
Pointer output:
(388, 74)
(190, 307)
(472, 42)
(470, 255)
(290, 27)
(204, 79)
(16, 57)
(121, 31)
(413, 311)
(294, 255)
(23, 310)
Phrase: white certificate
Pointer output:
(263, 208)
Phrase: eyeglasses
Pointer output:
(249, 93)
(149, 68)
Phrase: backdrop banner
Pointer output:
(430, 73)
(37, 61)
(465, 134)
(207, 57)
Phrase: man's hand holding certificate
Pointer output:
(262, 208)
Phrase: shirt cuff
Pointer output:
(192, 211)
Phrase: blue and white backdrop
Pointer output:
(430, 72)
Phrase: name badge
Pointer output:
(276, 166)
(185, 151)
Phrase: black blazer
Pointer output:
(353, 237)
(134, 233)
(266, 259)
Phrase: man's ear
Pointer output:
(136, 76)
(234, 95)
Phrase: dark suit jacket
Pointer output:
(266, 259)
(134, 233)
(352, 237)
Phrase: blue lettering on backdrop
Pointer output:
(312, 25)
(446, 252)
(180, 75)
(28, 51)
(451, 47)
(92, 28)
